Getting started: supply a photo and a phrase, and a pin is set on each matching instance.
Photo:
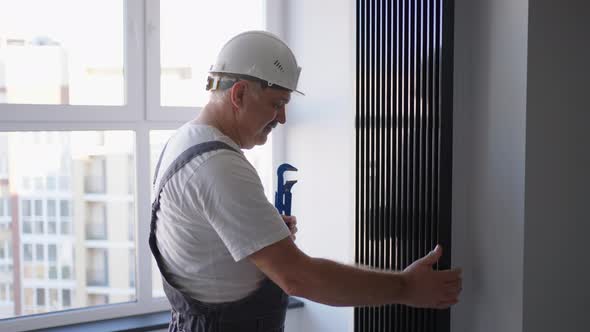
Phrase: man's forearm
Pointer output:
(325, 281)
(337, 284)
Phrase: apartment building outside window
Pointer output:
(81, 126)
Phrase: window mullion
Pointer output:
(138, 83)
(144, 270)
(152, 53)
(135, 55)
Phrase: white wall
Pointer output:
(521, 158)
(489, 162)
(557, 264)
(320, 140)
(521, 172)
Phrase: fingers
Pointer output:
(289, 220)
(432, 257)
(452, 291)
(452, 279)
(454, 287)
(451, 285)
(451, 275)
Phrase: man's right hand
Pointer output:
(336, 284)
(428, 288)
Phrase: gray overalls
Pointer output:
(262, 311)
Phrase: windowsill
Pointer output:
(137, 323)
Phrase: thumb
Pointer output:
(433, 256)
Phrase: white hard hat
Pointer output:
(261, 55)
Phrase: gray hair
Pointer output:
(226, 81)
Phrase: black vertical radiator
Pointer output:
(404, 65)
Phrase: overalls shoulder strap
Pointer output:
(262, 311)
(184, 158)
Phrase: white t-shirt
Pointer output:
(213, 214)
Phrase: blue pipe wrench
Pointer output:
(283, 193)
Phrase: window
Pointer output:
(52, 252)
(64, 183)
(97, 267)
(65, 224)
(66, 272)
(26, 183)
(5, 205)
(95, 175)
(96, 222)
(65, 227)
(38, 217)
(66, 298)
(98, 111)
(51, 183)
(27, 226)
(28, 292)
(39, 271)
(46, 63)
(40, 251)
(51, 217)
(97, 299)
(38, 181)
(51, 209)
(53, 298)
(28, 270)
(40, 296)
(28, 252)
(184, 65)
(38, 208)
(39, 227)
(26, 208)
(52, 271)
(64, 209)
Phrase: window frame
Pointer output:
(133, 62)
(141, 114)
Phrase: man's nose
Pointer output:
(282, 116)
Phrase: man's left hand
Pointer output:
(291, 222)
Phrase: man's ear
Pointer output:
(237, 94)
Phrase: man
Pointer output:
(227, 257)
